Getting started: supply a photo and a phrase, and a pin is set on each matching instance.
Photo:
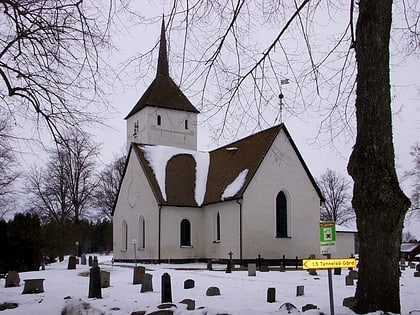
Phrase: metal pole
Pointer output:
(330, 287)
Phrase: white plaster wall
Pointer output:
(171, 232)
(344, 245)
(281, 170)
(229, 231)
(135, 199)
(171, 132)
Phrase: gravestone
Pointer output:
(33, 286)
(300, 290)
(252, 270)
(189, 284)
(288, 308)
(147, 284)
(412, 265)
(209, 265)
(349, 280)
(417, 274)
(282, 268)
(312, 272)
(213, 291)
(95, 280)
(72, 263)
(229, 266)
(354, 274)
(271, 295)
(90, 261)
(418, 267)
(166, 296)
(138, 274)
(337, 271)
(83, 259)
(105, 279)
(190, 304)
(264, 268)
(308, 307)
(349, 302)
(12, 279)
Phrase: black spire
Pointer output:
(163, 67)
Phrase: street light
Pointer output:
(134, 241)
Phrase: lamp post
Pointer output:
(134, 241)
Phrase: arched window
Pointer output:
(159, 120)
(281, 215)
(218, 226)
(142, 233)
(185, 233)
(124, 238)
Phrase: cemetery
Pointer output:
(105, 287)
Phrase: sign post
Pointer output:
(327, 237)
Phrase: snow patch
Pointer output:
(233, 188)
(158, 156)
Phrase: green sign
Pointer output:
(327, 237)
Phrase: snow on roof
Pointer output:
(158, 157)
(233, 188)
(345, 229)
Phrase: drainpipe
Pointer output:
(159, 231)
(240, 230)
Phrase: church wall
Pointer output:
(171, 233)
(229, 231)
(172, 131)
(135, 199)
(281, 170)
(345, 245)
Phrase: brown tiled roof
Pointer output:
(226, 163)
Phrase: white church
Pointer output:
(255, 196)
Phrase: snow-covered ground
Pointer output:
(240, 294)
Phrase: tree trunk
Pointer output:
(378, 201)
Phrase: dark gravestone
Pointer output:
(418, 267)
(349, 280)
(8, 306)
(229, 266)
(264, 268)
(83, 259)
(348, 302)
(147, 284)
(209, 265)
(90, 261)
(313, 272)
(252, 270)
(138, 274)
(33, 286)
(417, 274)
(105, 279)
(308, 307)
(166, 296)
(72, 263)
(213, 291)
(300, 290)
(189, 284)
(95, 281)
(190, 304)
(12, 279)
(354, 274)
(412, 265)
(271, 295)
(337, 272)
(282, 269)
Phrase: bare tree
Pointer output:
(106, 191)
(246, 82)
(8, 172)
(50, 60)
(336, 190)
(63, 190)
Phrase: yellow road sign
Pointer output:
(329, 263)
